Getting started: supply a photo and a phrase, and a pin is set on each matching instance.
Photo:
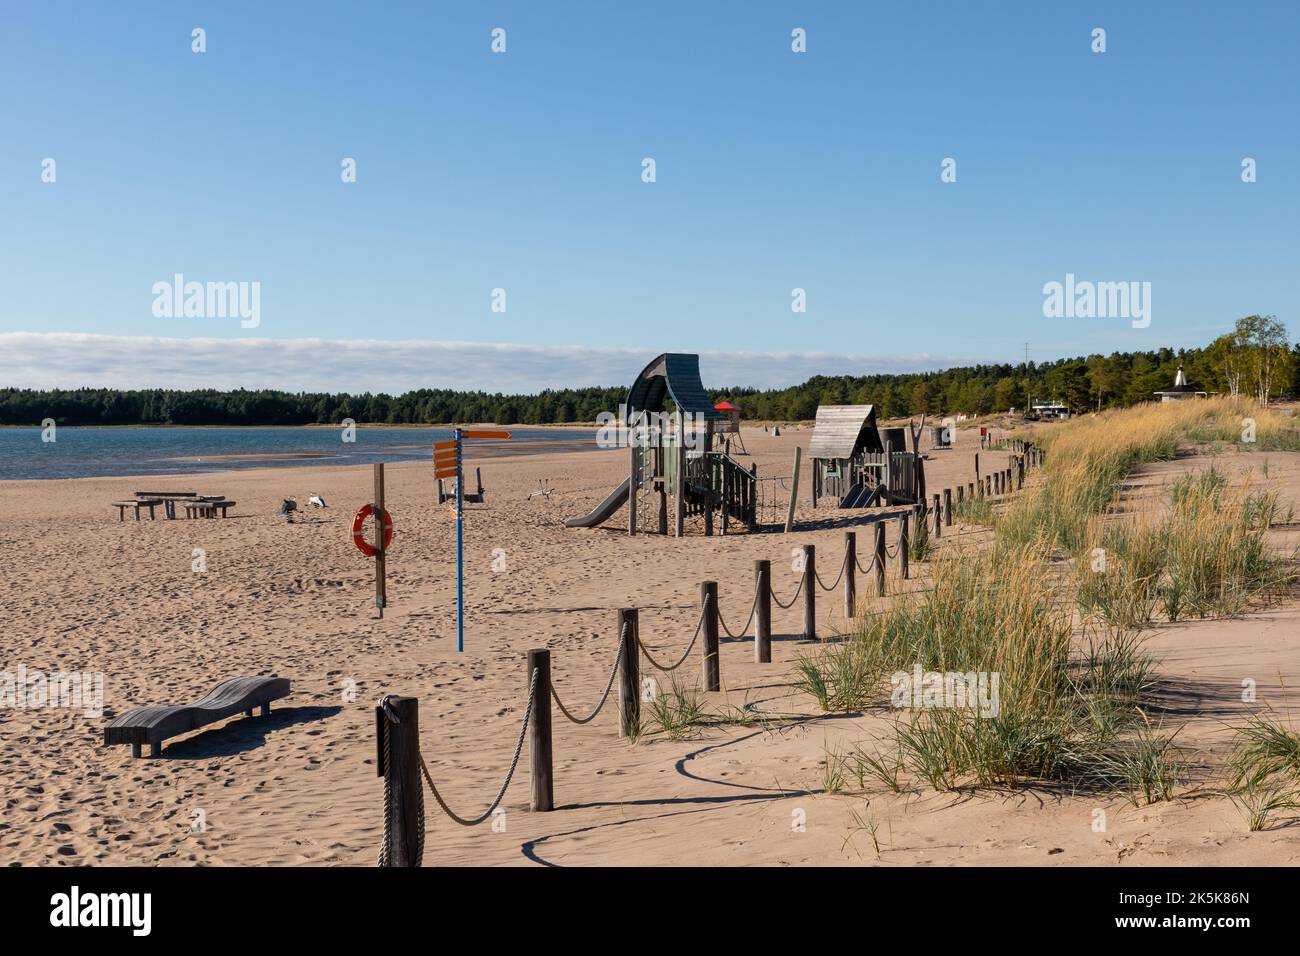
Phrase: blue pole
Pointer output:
(460, 542)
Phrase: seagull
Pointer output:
(287, 507)
(317, 500)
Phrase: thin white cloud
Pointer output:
(72, 360)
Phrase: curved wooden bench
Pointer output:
(153, 725)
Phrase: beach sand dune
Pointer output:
(83, 592)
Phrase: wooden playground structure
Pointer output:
(670, 428)
(862, 465)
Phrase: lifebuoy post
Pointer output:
(383, 537)
(381, 544)
(448, 462)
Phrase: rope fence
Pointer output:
(399, 759)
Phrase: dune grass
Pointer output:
(1264, 771)
(1207, 556)
(1062, 712)
(1073, 689)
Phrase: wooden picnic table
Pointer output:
(168, 499)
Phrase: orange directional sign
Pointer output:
(484, 434)
(442, 445)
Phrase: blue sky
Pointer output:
(522, 171)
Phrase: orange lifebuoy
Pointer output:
(358, 530)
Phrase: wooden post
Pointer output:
(904, 542)
(381, 562)
(402, 771)
(977, 461)
(679, 498)
(709, 605)
(763, 615)
(1020, 473)
(539, 733)
(752, 509)
(708, 495)
(629, 674)
(633, 482)
(1006, 481)
(880, 559)
(970, 486)
(947, 505)
(850, 569)
(794, 489)
(708, 477)
(661, 486)
(810, 593)
(938, 516)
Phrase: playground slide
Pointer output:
(617, 498)
(859, 496)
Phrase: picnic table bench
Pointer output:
(153, 725)
(206, 507)
(137, 504)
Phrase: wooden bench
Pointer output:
(207, 507)
(137, 504)
(153, 725)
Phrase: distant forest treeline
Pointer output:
(1096, 381)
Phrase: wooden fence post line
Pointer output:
(539, 733)
(850, 570)
(810, 592)
(880, 559)
(1020, 472)
(709, 604)
(763, 615)
(629, 674)
(938, 516)
(403, 773)
(947, 505)
(904, 542)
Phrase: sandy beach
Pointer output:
(85, 592)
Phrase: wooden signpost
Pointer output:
(448, 463)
